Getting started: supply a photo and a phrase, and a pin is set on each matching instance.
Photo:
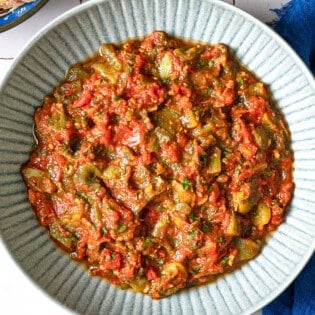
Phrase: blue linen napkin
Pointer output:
(299, 297)
(296, 25)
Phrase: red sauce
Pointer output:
(160, 164)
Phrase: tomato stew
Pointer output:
(160, 163)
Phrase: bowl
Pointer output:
(75, 36)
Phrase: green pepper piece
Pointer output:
(62, 236)
(215, 161)
(247, 248)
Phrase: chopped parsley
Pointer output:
(224, 260)
(186, 183)
(205, 227)
(122, 228)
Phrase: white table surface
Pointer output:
(18, 295)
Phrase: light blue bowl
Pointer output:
(78, 34)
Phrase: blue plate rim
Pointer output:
(20, 14)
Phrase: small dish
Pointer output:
(20, 14)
